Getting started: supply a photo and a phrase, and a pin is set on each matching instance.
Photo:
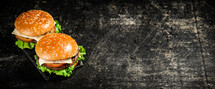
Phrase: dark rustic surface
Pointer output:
(130, 44)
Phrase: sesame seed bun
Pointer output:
(34, 23)
(56, 46)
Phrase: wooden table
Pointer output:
(130, 44)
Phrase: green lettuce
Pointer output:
(65, 72)
(58, 27)
(82, 52)
(22, 44)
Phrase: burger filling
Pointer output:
(58, 65)
(29, 38)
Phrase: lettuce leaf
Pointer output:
(23, 45)
(65, 72)
(82, 52)
(58, 27)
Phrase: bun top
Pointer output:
(34, 23)
(56, 46)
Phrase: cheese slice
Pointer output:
(37, 38)
(42, 61)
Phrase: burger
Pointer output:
(58, 53)
(30, 26)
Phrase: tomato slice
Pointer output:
(24, 39)
(53, 30)
(75, 64)
(54, 64)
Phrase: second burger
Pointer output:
(58, 53)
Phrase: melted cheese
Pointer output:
(15, 32)
(42, 61)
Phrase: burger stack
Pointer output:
(56, 53)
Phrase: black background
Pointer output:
(130, 44)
